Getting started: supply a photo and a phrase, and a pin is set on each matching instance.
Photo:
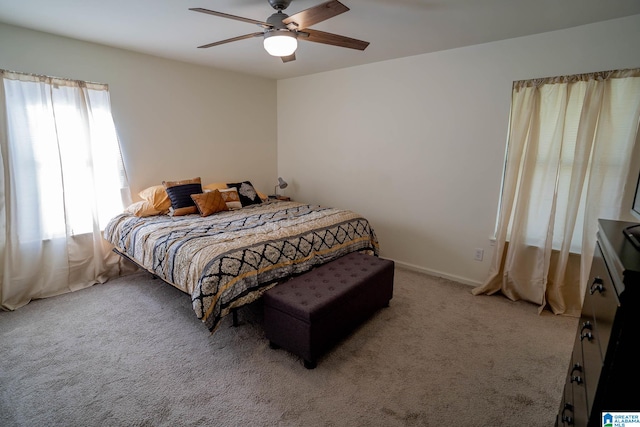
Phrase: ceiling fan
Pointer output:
(281, 32)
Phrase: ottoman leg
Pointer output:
(273, 345)
(310, 365)
(234, 313)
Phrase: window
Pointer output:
(568, 156)
(63, 179)
(557, 184)
(68, 167)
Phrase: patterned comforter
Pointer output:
(229, 259)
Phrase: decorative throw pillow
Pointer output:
(209, 202)
(180, 195)
(142, 208)
(215, 186)
(248, 194)
(157, 196)
(231, 198)
(262, 195)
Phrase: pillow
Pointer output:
(231, 198)
(187, 210)
(248, 194)
(262, 195)
(180, 195)
(157, 196)
(209, 203)
(142, 208)
(215, 186)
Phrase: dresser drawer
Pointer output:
(601, 300)
(573, 407)
(594, 329)
(591, 359)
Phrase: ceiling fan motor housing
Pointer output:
(276, 23)
(279, 4)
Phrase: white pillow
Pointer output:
(231, 198)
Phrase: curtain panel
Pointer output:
(568, 156)
(61, 179)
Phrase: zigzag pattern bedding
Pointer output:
(229, 259)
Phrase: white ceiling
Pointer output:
(395, 28)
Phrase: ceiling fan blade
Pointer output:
(332, 39)
(289, 58)
(237, 18)
(313, 15)
(234, 39)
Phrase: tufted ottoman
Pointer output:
(309, 313)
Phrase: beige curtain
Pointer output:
(61, 179)
(568, 156)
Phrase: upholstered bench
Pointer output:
(311, 312)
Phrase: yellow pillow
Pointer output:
(209, 203)
(262, 195)
(142, 208)
(215, 186)
(157, 196)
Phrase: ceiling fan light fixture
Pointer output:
(280, 43)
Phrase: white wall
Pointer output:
(175, 120)
(416, 145)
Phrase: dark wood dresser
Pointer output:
(604, 372)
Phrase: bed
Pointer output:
(229, 259)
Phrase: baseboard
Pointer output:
(463, 280)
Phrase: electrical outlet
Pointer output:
(478, 254)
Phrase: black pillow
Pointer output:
(246, 191)
(180, 192)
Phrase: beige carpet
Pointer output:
(132, 353)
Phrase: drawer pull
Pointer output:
(576, 367)
(577, 379)
(587, 335)
(565, 418)
(586, 325)
(597, 285)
